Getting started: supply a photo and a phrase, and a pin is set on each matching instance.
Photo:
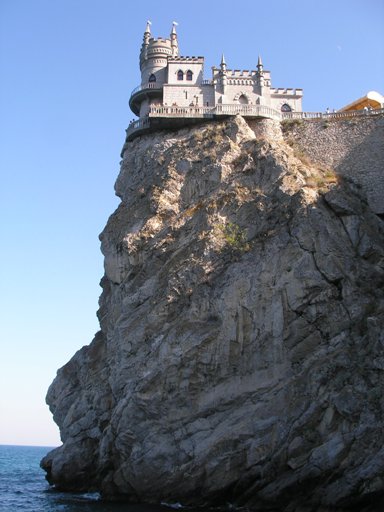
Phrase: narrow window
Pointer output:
(180, 75)
(189, 75)
(186, 95)
(152, 78)
(286, 108)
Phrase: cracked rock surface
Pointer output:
(240, 356)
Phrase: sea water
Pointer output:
(23, 487)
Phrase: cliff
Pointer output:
(240, 354)
(354, 148)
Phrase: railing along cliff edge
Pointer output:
(331, 115)
(262, 111)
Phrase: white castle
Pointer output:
(173, 88)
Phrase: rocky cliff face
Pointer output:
(241, 351)
(353, 147)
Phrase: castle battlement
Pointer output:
(283, 92)
(186, 59)
(155, 40)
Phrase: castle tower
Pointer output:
(154, 57)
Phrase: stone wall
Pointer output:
(184, 94)
(354, 148)
(193, 64)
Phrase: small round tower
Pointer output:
(154, 56)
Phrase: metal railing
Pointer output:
(138, 124)
(149, 85)
(332, 115)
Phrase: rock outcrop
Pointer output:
(240, 357)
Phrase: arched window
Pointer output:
(286, 108)
(243, 100)
(180, 75)
(189, 75)
(152, 78)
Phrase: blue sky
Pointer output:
(67, 69)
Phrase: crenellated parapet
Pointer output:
(186, 59)
(285, 92)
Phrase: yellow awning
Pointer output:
(372, 99)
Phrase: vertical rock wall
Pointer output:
(354, 148)
(240, 356)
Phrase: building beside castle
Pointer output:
(173, 86)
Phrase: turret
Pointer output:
(154, 56)
(260, 72)
(146, 38)
(223, 72)
(174, 43)
(223, 64)
(147, 34)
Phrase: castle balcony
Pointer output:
(137, 126)
(177, 112)
(142, 92)
(163, 116)
(248, 111)
(211, 112)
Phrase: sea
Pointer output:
(23, 487)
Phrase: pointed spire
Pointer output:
(223, 64)
(260, 72)
(147, 35)
(174, 43)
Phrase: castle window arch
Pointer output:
(286, 108)
(152, 78)
(180, 75)
(189, 75)
(242, 98)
